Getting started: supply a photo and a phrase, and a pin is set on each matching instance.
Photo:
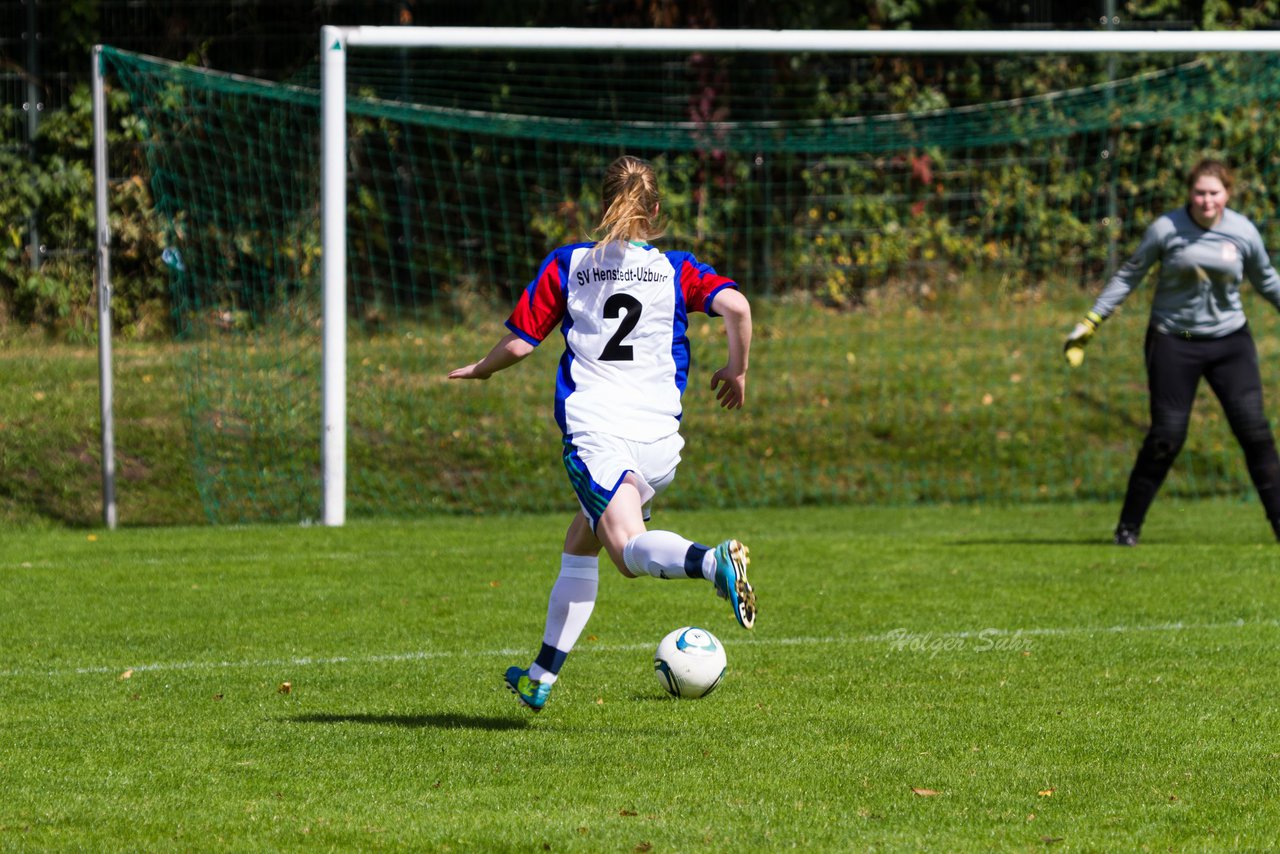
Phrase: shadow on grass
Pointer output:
(441, 721)
(1036, 541)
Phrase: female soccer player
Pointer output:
(622, 306)
(1197, 329)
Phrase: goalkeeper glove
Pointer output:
(1073, 349)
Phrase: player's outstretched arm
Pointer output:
(509, 350)
(730, 382)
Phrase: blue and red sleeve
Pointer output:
(542, 305)
(699, 282)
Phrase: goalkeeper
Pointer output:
(1197, 329)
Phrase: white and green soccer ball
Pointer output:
(689, 662)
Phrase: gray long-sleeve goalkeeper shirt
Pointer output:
(1198, 290)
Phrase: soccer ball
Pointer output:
(689, 662)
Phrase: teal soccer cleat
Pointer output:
(731, 581)
(529, 691)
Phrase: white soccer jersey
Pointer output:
(623, 309)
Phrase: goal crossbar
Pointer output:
(790, 41)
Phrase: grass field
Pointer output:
(943, 679)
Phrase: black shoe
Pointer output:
(1275, 526)
(1127, 535)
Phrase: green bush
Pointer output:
(53, 186)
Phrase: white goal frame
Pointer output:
(336, 42)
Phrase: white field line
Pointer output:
(894, 637)
(182, 560)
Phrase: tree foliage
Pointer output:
(53, 188)
(50, 177)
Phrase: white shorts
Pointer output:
(598, 462)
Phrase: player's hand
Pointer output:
(1073, 349)
(732, 391)
(470, 372)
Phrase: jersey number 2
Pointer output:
(614, 306)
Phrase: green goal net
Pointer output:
(916, 233)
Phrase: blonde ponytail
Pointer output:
(630, 202)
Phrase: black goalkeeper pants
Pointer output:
(1174, 368)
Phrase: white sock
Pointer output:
(573, 597)
(664, 554)
(709, 565)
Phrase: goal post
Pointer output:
(102, 258)
(333, 248)
(336, 42)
